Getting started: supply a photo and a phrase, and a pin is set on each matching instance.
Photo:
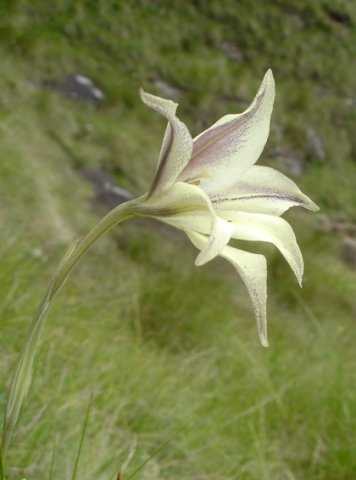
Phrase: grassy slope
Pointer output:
(137, 324)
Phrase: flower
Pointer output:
(210, 188)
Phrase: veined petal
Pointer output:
(253, 270)
(177, 143)
(189, 208)
(264, 190)
(272, 229)
(224, 152)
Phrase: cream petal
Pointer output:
(272, 229)
(189, 208)
(264, 190)
(220, 235)
(177, 143)
(224, 152)
(253, 270)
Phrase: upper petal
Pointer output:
(224, 152)
(177, 143)
(253, 270)
(263, 190)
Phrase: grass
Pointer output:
(169, 352)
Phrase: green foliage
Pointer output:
(170, 351)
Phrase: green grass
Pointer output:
(169, 352)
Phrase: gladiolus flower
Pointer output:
(210, 188)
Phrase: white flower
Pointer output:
(210, 188)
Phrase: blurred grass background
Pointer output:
(170, 351)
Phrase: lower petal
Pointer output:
(252, 268)
(272, 229)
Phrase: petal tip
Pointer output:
(313, 206)
(269, 74)
(268, 81)
(142, 93)
(157, 103)
(200, 260)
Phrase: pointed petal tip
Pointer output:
(308, 203)
(269, 74)
(264, 341)
(142, 93)
(200, 260)
(158, 103)
(313, 206)
(268, 81)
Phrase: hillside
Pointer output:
(168, 352)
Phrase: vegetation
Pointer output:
(166, 354)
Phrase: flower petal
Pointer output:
(220, 235)
(253, 270)
(189, 208)
(264, 190)
(223, 153)
(177, 143)
(269, 228)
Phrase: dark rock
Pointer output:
(315, 147)
(107, 192)
(76, 87)
(348, 251)
(337, 15)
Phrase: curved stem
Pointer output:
(22, 378)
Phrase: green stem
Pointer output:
(22, 378)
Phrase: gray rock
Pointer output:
(293, 162)
(107, 192)
(315, 147)
(76, 87)
(348, 251)
(167, 90)
(232, 51)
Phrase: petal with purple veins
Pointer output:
(225, 151)
(263, 190)
(176, 147)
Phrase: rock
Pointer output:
(106, 191)
(337, 15)
(315, 147)
(348, 251)
(167, 90)
(76, 87)
(232, 51)
(291, 160)
(350, 101)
